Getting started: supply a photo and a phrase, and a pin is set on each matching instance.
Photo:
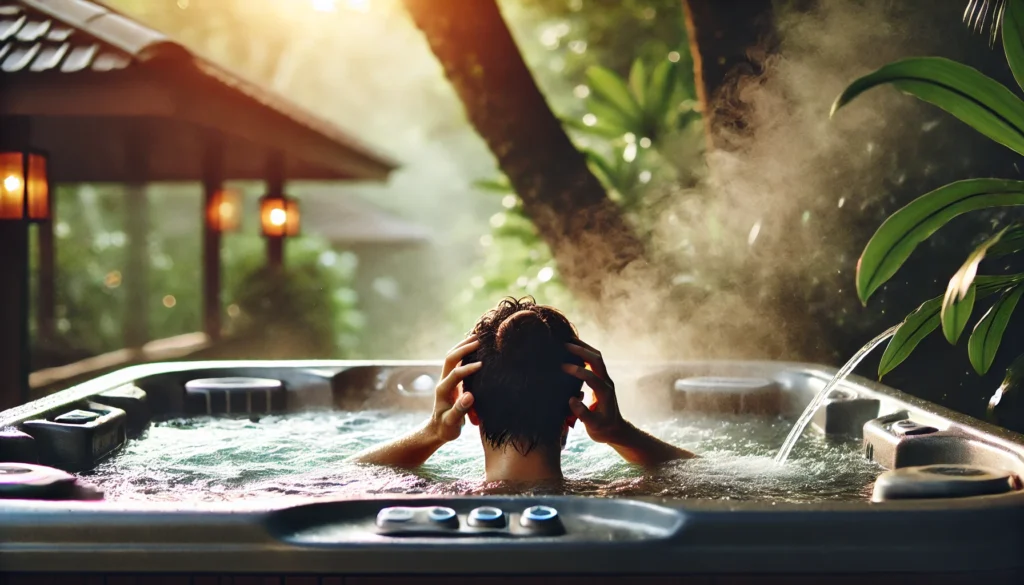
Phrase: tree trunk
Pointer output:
(588, 236)
(728, 38)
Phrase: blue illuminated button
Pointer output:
(440, 514)
(539, 514)
(394, 515)
(487, 517)
(542, 520)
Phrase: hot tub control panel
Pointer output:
(417, 521)
(483, 520)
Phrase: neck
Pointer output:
(507, 464)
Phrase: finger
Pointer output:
(591, 357)
(469, 338)
(586, 345)
(460, 351)
(602, 389)
(447, 385)
(454, 416)
(584, 414)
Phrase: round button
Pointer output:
(487, 516)
(395, 515)
(441, 514)
(539, 514)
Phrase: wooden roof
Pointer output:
(98, 86)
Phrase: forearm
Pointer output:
(641, 448)
(408, 451)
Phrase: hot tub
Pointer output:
(941, 499)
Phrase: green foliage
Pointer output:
(955, 313)
(988, 333)
(900, 234)
(647, 106)
(996, 112)
(91, 282)
(925, 319)
(305, 308)
(633, 108)
(980, 101)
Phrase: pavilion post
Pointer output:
(275, 188)
(213, 182)
(15, 351)
(46, 312)
(136, 273)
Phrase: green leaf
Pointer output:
(1013, 38)
(638, 81)
(964, 277)
(1011, 242)
(926, 319)
(605, 171)
(601, 128)
(980, 101)
(501, 185)
(914, 329)
(661, 88)
(609, 88)
(611, 117)
(897, 238)
(988, 333)
(956, 312)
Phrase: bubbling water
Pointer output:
(304, 455)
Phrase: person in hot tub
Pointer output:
(521, 372)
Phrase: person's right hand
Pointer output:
(603, 420)
(450, 408)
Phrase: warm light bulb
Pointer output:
(278, 217)
(12, 183)
(226, 210)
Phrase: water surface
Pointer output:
(211, 459)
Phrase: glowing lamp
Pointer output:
(279, 217)
(24, 186)
(224, 211)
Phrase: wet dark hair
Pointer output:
(521, 395)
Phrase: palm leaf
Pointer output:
(897, 238)
(611, 117)
(661, 88)
(926, 319)
(501, 185)
(1011, 242)
(638, 82)
(918, 324)
(956, 312)
(964, 277)
(609, 88)
(988, 333)
(980, 101)
(600, 128)
(1013, 38)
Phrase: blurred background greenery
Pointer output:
(326, 56)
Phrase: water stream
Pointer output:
(819, 398)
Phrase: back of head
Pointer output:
(521, 395)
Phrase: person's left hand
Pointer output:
(602, 419)
(450, 408)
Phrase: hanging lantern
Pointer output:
(279, 217)
(24, 186)
(224, 211)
